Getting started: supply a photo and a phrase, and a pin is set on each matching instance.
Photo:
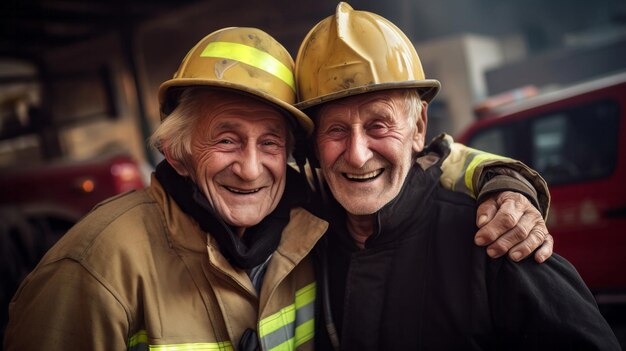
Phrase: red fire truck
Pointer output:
(39, 203)
(59, 193)
(576, 138)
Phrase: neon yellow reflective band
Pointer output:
(305, 295)
(141, 337)
(291, 326)
(287, 314)
(276, 321)
(305, 329)
(471, 168)
(210, 346)
(305, 332)
(250, 56)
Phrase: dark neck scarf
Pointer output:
(259, 241)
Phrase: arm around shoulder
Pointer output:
(478, 174)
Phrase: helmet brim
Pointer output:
(169, 101)
(427, 89)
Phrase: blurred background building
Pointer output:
(79, 78)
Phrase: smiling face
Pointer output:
(238, 157)
(366, 146)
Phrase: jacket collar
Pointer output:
(298, 238)
(259, 241)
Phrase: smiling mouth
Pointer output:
(242, 191)
(364, 177)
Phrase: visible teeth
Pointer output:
(364, 176)
(239, 191)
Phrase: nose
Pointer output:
(249, 166)
(357, 151)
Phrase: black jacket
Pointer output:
(422, 284)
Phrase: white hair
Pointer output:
(414, 104)
(175, 130)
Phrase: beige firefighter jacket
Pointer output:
(137, 273)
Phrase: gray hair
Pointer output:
(414, 104)
(175, 131)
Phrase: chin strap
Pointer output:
(303, 154)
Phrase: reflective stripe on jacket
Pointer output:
(137, 273)
(464, 170)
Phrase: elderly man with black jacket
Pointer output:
(399, 267)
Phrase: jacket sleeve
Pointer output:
(61, 306)
(546, 307)
(478, 174)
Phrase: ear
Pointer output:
(419, 134)
(178, 165)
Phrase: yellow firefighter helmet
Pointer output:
(243, 60)
(355, 52)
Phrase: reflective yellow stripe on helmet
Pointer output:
(251, 56)
(292, 326)
(139, 342)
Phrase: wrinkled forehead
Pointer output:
(275, 125)
(216, 103)
(218, 100)
(220, 111)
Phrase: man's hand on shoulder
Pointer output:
(508, 222)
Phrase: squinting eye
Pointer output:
(377, 128)
(225, 141)
(335, 130)
(273, 144)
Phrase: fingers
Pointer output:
(545, 251)
(510, 207)
(536, 232)
(486, 211)
(518, 240)
(517, 227)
